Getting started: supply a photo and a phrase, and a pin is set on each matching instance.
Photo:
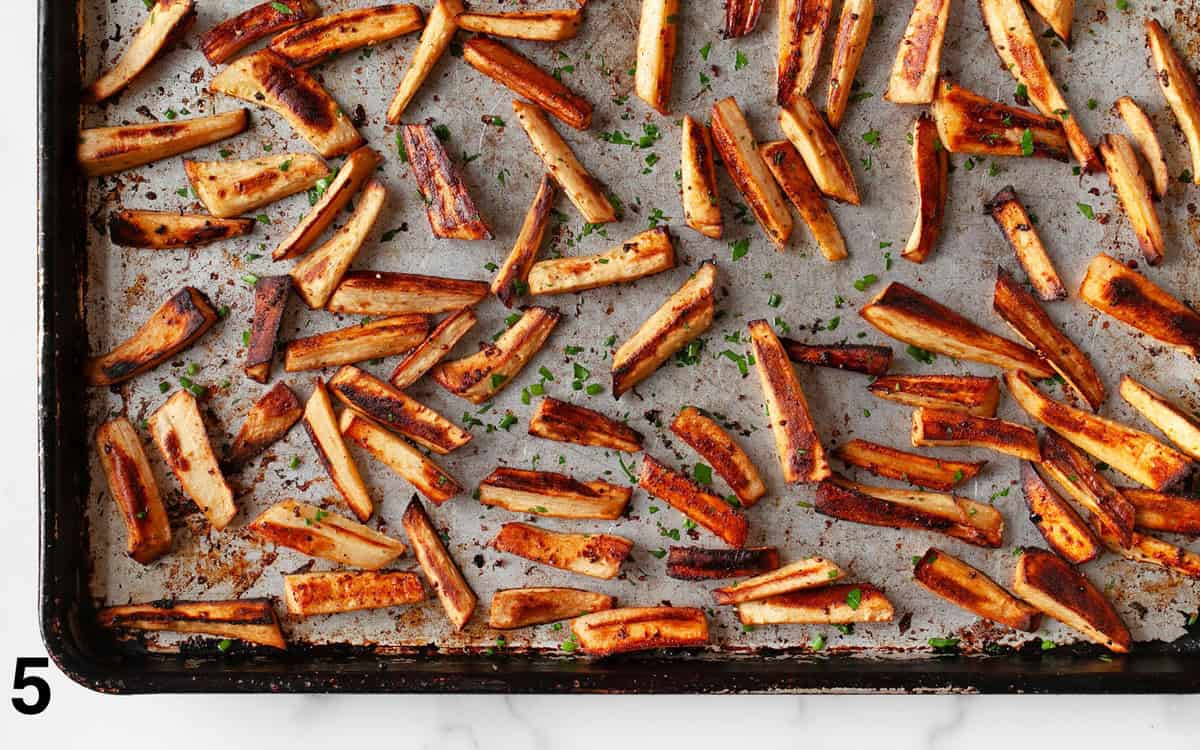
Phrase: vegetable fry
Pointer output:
(322, 427)
(1125, 177)
(802, 25)
(396, 411)
(435, 38)
(512, 279)
(797, 184)
(220, 43)
(1131, 298)
(829, 605)
(722, 453)
(270, 301)
(935, 473)
(165, 25)
(482, 375)
(656, 53)
(803, 125)
(249, 620)
(510, 68)
(448, 206)
(702, 564)
(972, 124)
(854, 27)
(1057, 521)
(533, 25)
(317, 275)
(520, 608)
(931, 174)
(1170, 419)
(308, 594)
(328, 36)
(735, 143)
(318, 533)
(387, 293)
(695, 502)
(570, 423)
(595, 555)
(178, 431)
(1076, 474)
(581, 188)
(133, 488)
(105, 151)
(943, 427)
(361, 342)
(1018, 228)
(165, 230)
(918, 60)
(698, 179)
(1058, 590)
(808, 573)
(545, 493)
(394, 452)
(231, 188)
(643, 254)
(968, 587)
(966, 393)
(267, 421)
(338, 190)
(1143, 133)
(434, 348)
(1178, 88)
(455, 594)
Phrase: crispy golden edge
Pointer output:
(1058, 590)
(455, 594)
(270, 300)
(319, 533)
(546, 493)
(322, 427)
(316, 276)
(741, 16)
(972, 522)
(388, 293)
(812, 572)
(133, 488)
(803, 125)
(656, 53)
(924, 471)
(269, 419)
(231, 36)
(969, 588)
(105, 151)
(801, 25)
(695, 502)
(230, 188)
(718, 448)
(701, 563)
(166, 230)
(1150, 550)
(595, 555)
(580, 187)
(644, 254)
(734, 141)
(482, 375)
(1159, 511)
(531, 25)
(1125, 177)
(1014, 221)
(628, 629)
(931, 176)
(918, 59)
(698, 179)
(1158, 410)
(512, 278)
(972, 124)
(954, 428)
(331, 592)
(448, 205)
(1058, 522)
(1114, 289)
(519, 608)
(1079, 478)
(166, 23)
(1058, 15)
(854, 28)
(179, 433)
(374, 339)
(1147, 140)
(522, 76)
(967, 393)
(394, 452)
(867, 359)
(570, 423)
(350, 178)
(322, 38)
(789, 170)
(823, 606)
(435, 38)
(440, 341)
(1178, 88)
(250, 620)
(397, 411)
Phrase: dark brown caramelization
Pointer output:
(323, 38)
(250, 620)
(702, 564)
(569, 423)
(968, 123)
(510, 68)
(925, 471)
(267, 421)
(596, 555)
(398, 412)
(519, 608)
(1133, 299)
(722, 452)
(455, 594)
(391, 293)
(617, 631)
(741, 16)
(931, 175)
(948, 427)
(845, 500)
(231, 36)
(969, 588)
(797, 444)
(182, 319)
(164, 230)
(1049, 583)
(1016, 224)
(1079, 476)
(1056, 519)
(270, 300)
(695, 502)
(512, 279)
(965, 393)
(448, 205)
(869, 360)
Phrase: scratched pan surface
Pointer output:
(817, 301)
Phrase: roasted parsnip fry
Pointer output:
(231, 188)
(829, 605)
(870, 360)
(968, 123)
(512, 279)
(1017, 47)
(1158, 511)
(643, 254)
(617, 631)
(533, 25)
(1047, 582)
(735, 142)
(373, 339)
(1115, 289)
(455, 594)
(915, 72)
(1151, 550)
(249, 620)
(695, 502)
(796, 441)
(435, 38)
(448, 206)
(231, 36)
(545, 493)
(683, 317)
(267, 421)
(327, 36)
(270, 301)
(656, 53)
(954, 428)
(1021, 311)
(266, 79)
(797, 183)
(849, 45)
(958, 517)
(1018, 228)
(308, 594)
(931, 175)
(482, 375)
(1131, 452)
(352, 175)
(1172, 421)
(317, 275)
(1076, 474)
(698, 179)
(329, 536)
(390, 407)
(802, 25)
(182, 319)
(905, 314)
(393, 451)
(722, 453)
(133, 488)
(596, 555)
(434, 348)
(1125, 177)
(105, 151)
(812, 572)
(969, 588)
(519, 608)
(1178, 87)
(1060, 525)
(803, 125)
(966, 393)
(1058, 15)
(322, 427)
(702, 564)
(387, 293)
(1143, 133)
(165, 25)
(569, 423)
(583, 190)
(741, 16)
(165, 230)
(510, 68)
(924, 471)
(178, 431)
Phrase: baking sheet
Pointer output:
(125, 286)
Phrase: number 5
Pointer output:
(22, 681)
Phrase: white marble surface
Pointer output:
(76, 715)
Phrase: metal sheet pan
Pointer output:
(94, 294)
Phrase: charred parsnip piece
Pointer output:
(595, 555)
(953, 428)
(1158, 511)
(969, 588)
(1080, 479)
(435, 38)
(308, 594)
(797, 183)
(325, 37)
(931, 175)
(231, 188)
(434, 348)
(353, 174)
(1131, 452)
(533, 25)
(722, 453)
(231, 36)
(1178, 87)
(249, 620)
(829, 605)
(702, 564)
(374, 339)
(1172, 421)
(270, 301)
(656, 53)
(971, 124)
(695, 502)
(644, 254)
(165, 230)
(958, 517)
(133, 488)
(329, 536)
(510, 68)
(869, 360)
(802, 25)
(266, 79)
(1014, 221)
(482, 375)
(178, 431)
(512, 279)
(545, 493)
(166, 24)
(520, 608)
(966, 393)
(735, 143)
(395, 453)
(1151, 550)
(803, 125)
(1047, 582)
(1143, 133)
(1125, 177)
(387, 293)
(1021, 311)
(905, 314)
(568, 423)
(915, 72)
(924, 471)
(741, 16)
(448, 206)
(267, 421)
(796, 441)
(322, 427)
(1115, 289)
(698, 179)
(812, 572)
(1058, 15)
(1058, 522)
(581, 188)
(105, 151)
(455, 594)
(854, 27)
(617, 631)
(685, 315)
(317, 275)
(388, 406)
(172, 328)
